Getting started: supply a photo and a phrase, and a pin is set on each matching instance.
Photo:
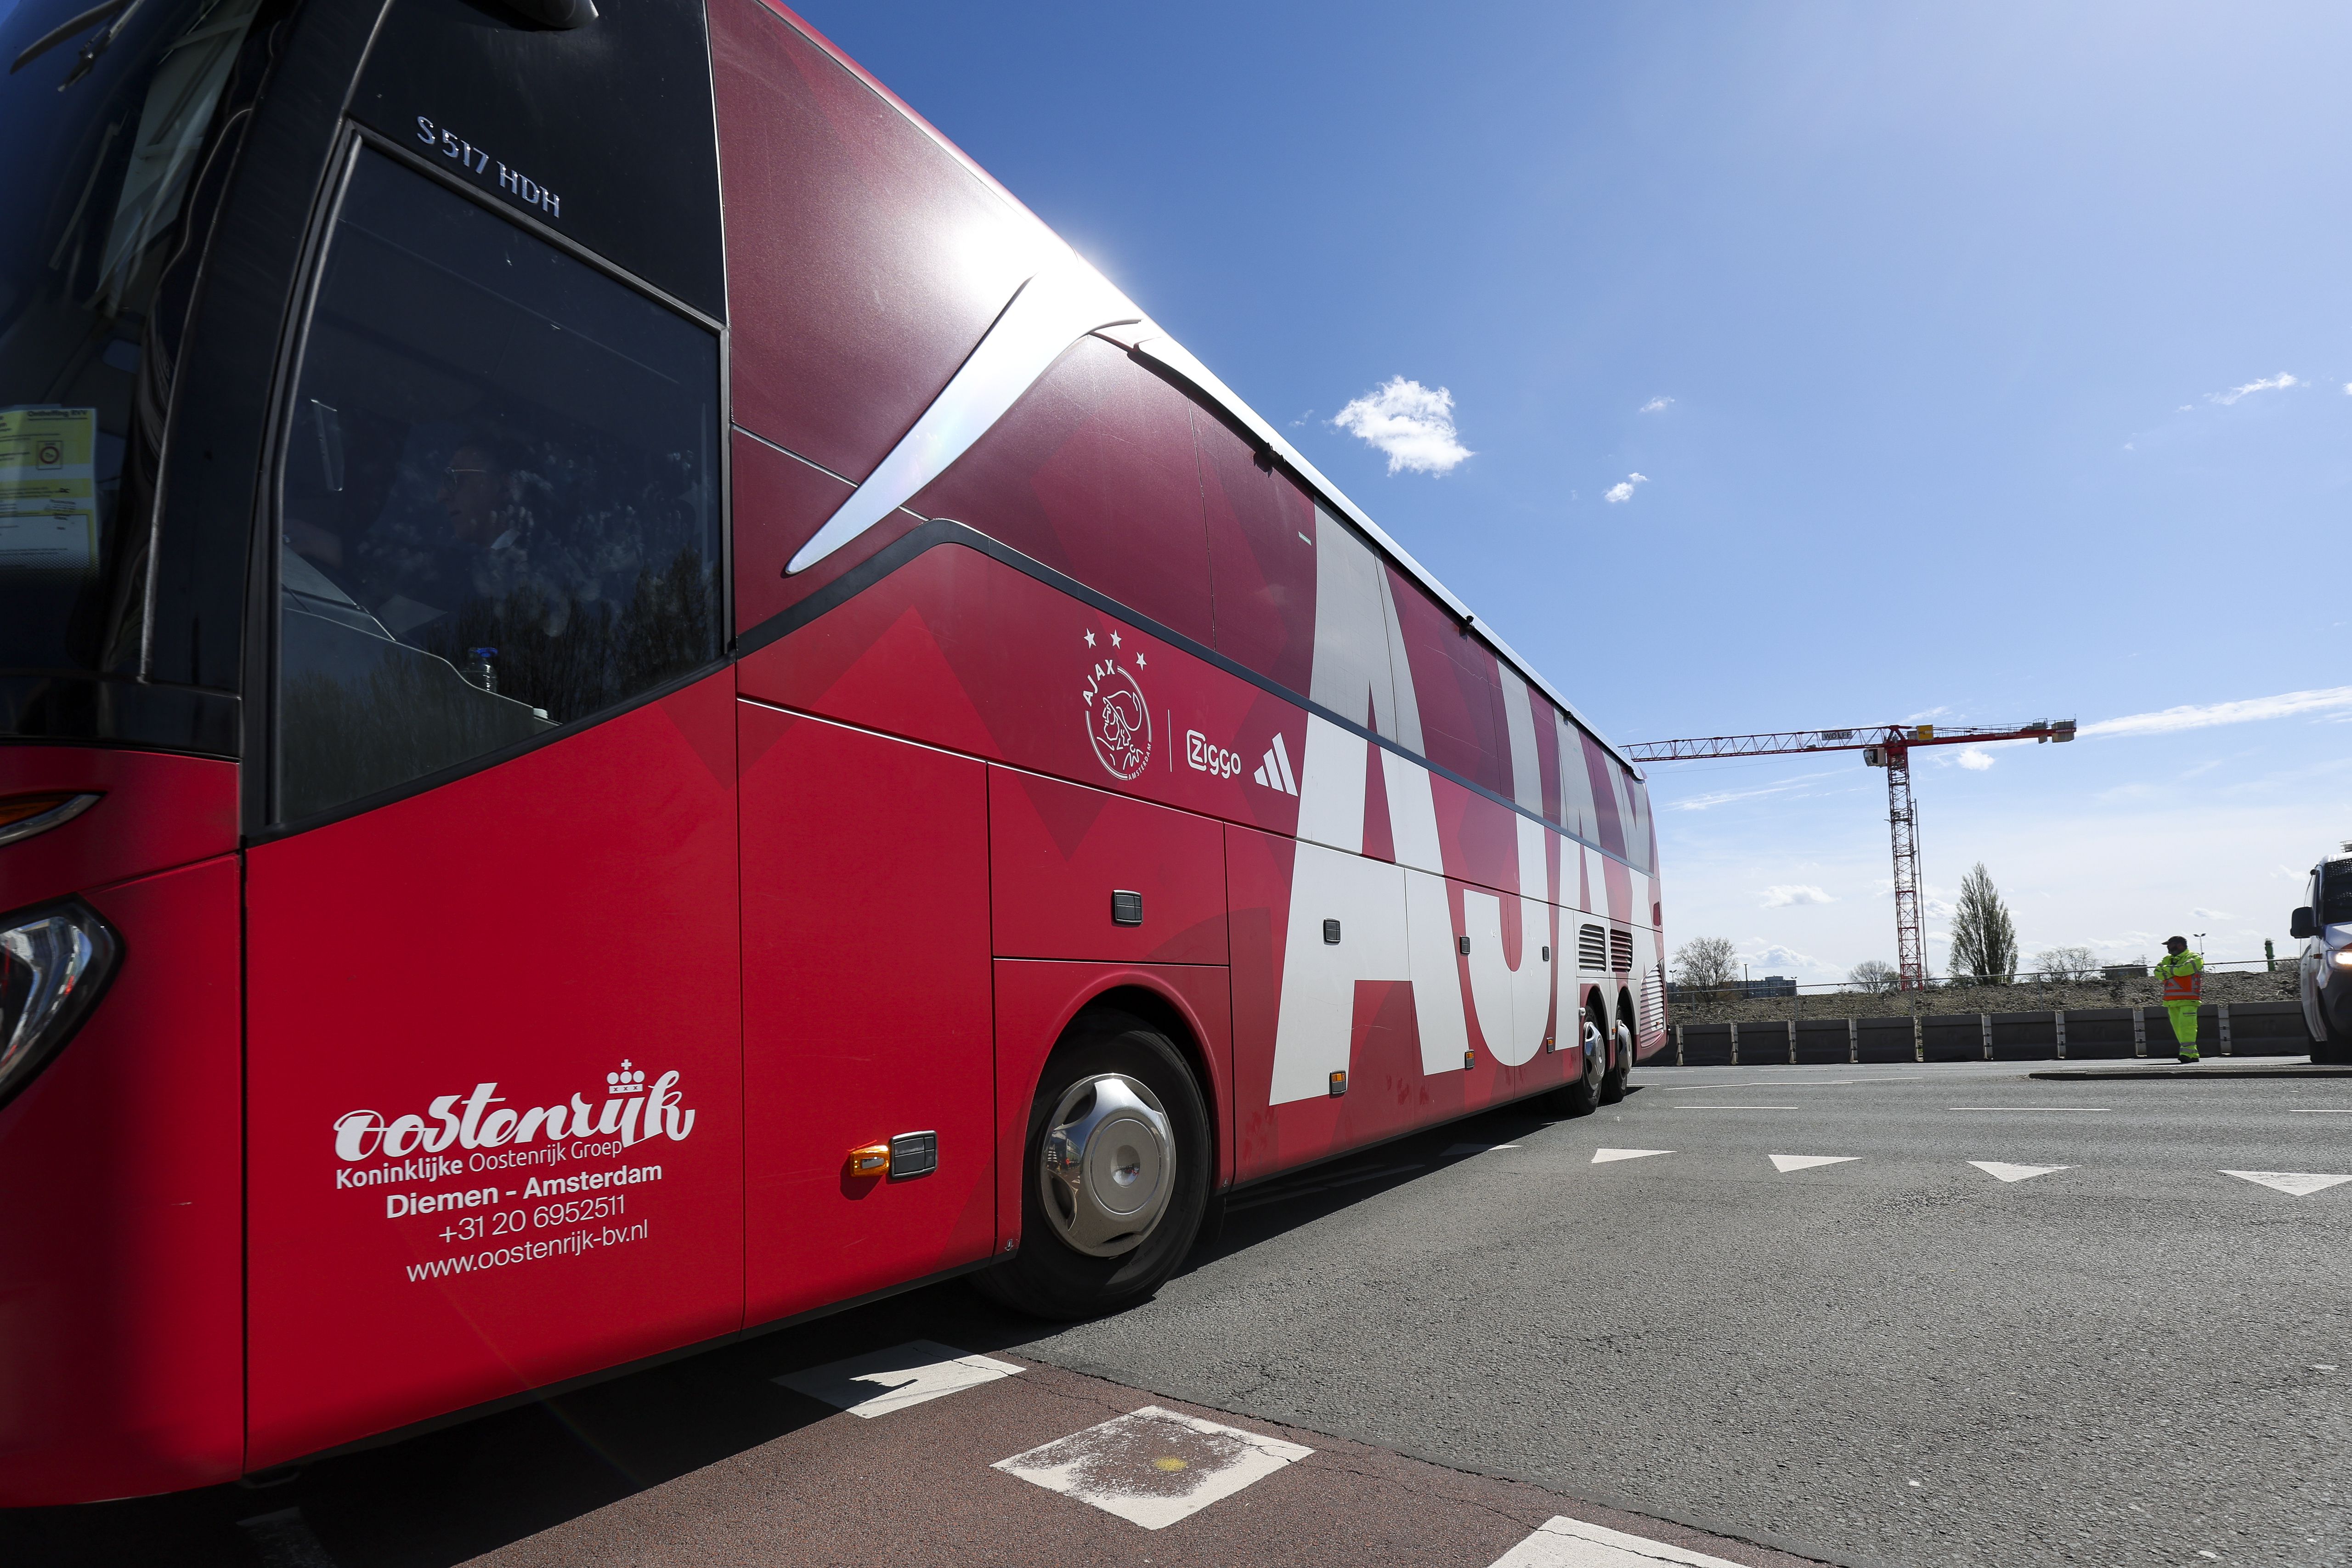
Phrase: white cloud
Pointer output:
(1410, 423)
(1624, 489)
(1925, 714)
(1976, 759)
(1761, 957)
(2347, 389)
(2278, 382)
(1782, 894)
(2204, 716)
(1660, 404)
(1726, 796)
(2213, 914)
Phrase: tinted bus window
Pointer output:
(106, 117)
(499, 492)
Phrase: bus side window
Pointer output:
(1461, 699)
(1578, 812)
(1093, 473)
(498, 496)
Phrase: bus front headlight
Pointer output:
(54, 962)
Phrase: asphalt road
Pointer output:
(1897, 1358)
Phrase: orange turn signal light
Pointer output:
(17, 807)
(1338, 1083)
(874, 1160)
(1469, 1059)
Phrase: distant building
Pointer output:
(1770, 985)
(2124, 970)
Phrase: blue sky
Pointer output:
(1984, 363)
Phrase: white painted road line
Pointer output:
(1153, 1466)
(2001, 1170)
(2295, 1184)
(1736, 1108)
(1454, 1148)
(1784, 1163)
(2056, 1108)
(2315, 1111)
(913, 1374)
(1604, 1156)
(1784, 1083)
(1563, 1543)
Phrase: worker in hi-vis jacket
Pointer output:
(2183, 973)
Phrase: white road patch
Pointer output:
(1784, 1163)
(2295, 1184)
(1560, 1541)
(1153, 1466)
(1603, 1156)
(913, 1374)
(1454, 1148)
(2001, 1170)
(286, 1539)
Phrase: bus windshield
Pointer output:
(107, 114)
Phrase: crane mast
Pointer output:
(1887, 746)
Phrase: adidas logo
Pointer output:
(1273, 770)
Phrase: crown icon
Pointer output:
(625, 1081)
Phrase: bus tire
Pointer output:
(1116, 1108)
(1620, 1066)
(1582, 1096)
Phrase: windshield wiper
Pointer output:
(91, 50)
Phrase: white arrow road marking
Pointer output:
(1784, 1163)
(1563, 1543)
(2295, 1184)
(911, 1373)
(1603, 1156)
(2001, 1170)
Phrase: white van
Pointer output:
(2324, 925)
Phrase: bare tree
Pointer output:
(1875, 974)
(1984, 939)
(2067, 963)
(1705, 963)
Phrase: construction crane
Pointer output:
(1887, 746)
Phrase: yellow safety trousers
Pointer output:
(2184, 1023)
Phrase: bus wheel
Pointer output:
(1612, 1083)
(1116, 1177)
(1580, 1097)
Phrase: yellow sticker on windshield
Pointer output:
(49, 491)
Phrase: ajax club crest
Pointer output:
(1118, 718)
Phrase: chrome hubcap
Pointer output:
(1108, 1166)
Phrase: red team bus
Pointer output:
(636, 708)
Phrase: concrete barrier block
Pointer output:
(1707, 1044)
(2093, 1032)
(2024, 1037)
(1823, 1039)
(1952, 1037)
(2277, 1028)
(1764, 1045)
(1885, 1040)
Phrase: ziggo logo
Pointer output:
(1208, 759)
